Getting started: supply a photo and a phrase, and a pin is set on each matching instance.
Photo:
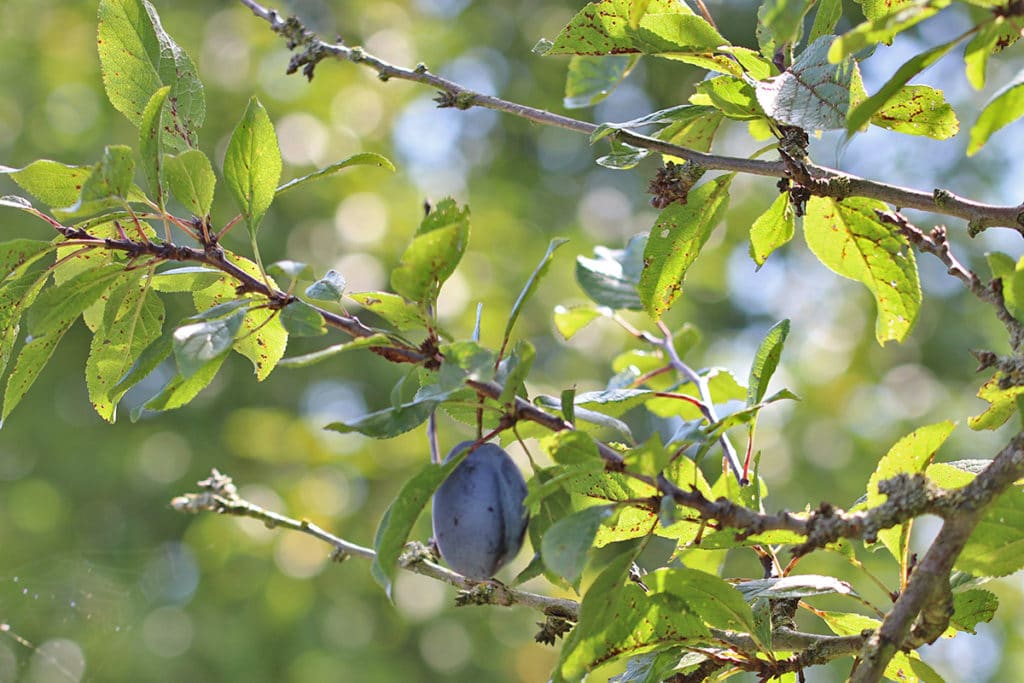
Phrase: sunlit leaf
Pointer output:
(848, 237)
(252, 164)
(434, 252)
(772, 229)
(360, 159)
(918, 110)
(1005, 107)
(813, 93)
(610, 279)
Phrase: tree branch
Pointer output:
(827, 181)
(220, 495)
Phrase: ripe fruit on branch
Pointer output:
(478, 514)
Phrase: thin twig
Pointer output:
(827, 181)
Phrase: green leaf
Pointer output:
(994, 36)
(825, 19)
(17, 293)
(622, 156)
(513, 371)
(360, 159)
(617, 618)
(288, 270)
(18, 254)
(262, 338)
(133, 319)
(185, 279)
(591, 79)
(531, 286)
(180, 390)
(849, 239)
(1005, 107)
(302, 320)
(392, 308)
(51, 182)
(813, 93)
(398, 520)
(1003, 404)
(198, 344)
(718, 603)
(323, 354)
(611, 278)
(331, 287)
(572, 447)
(733, 96)
(434, 253)
(148, 360)
(675, 241)
(863, 112)
(971, 607)
(390, 422)
(765, 361)
(190, 177)
(902, 667)
(569, 321)
(151, 142)
(996, 546)
(796, 586)
(565, 545)
(108, 186)
(918, 110)
(886, 19)
(780, 23)
(252, 164)
(772, 229)
(137, 58)
(909, 455)
(667, 28)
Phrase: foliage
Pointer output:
(629, 510)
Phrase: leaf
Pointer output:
(571, 447)
(780, 23)
(434, 253)
(190, 177)
(392, 308)
(324, 354)
(971, 607)
(262, 338)
(591, 79)
(996, 546)
(51, 182)
(360, 159)
(132, 320)
(675, 241)
(611, 278)
(918, 110)
(848, 238)
(994, 36)
(51, 315)
(885, 21)
(198, 344)
(18, 254)
(569, 321)
(288, 270)
(667, 28)
(863, 112)
(813, 93)
(617, 618)
(302, 320)
(1003, 404)
(531, 286)
(565, 545)
(107, 186)
(398, 520)
(902, 667)
(17, 293)
(179, 391)
(1005, 107)
(765, 361)
(825, 19)
(718, 603)
(331, 287)
(796, 586)
(150, 142)
(733, 96)
(389, 422)
(137, 58)
(909, 455)
(772, 229)
(252, 164)
(623, 156)
(513, 371)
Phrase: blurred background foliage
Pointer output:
(99, 581)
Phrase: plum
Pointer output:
(478, 514)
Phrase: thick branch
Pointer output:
(827, 181)
(929, 582)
